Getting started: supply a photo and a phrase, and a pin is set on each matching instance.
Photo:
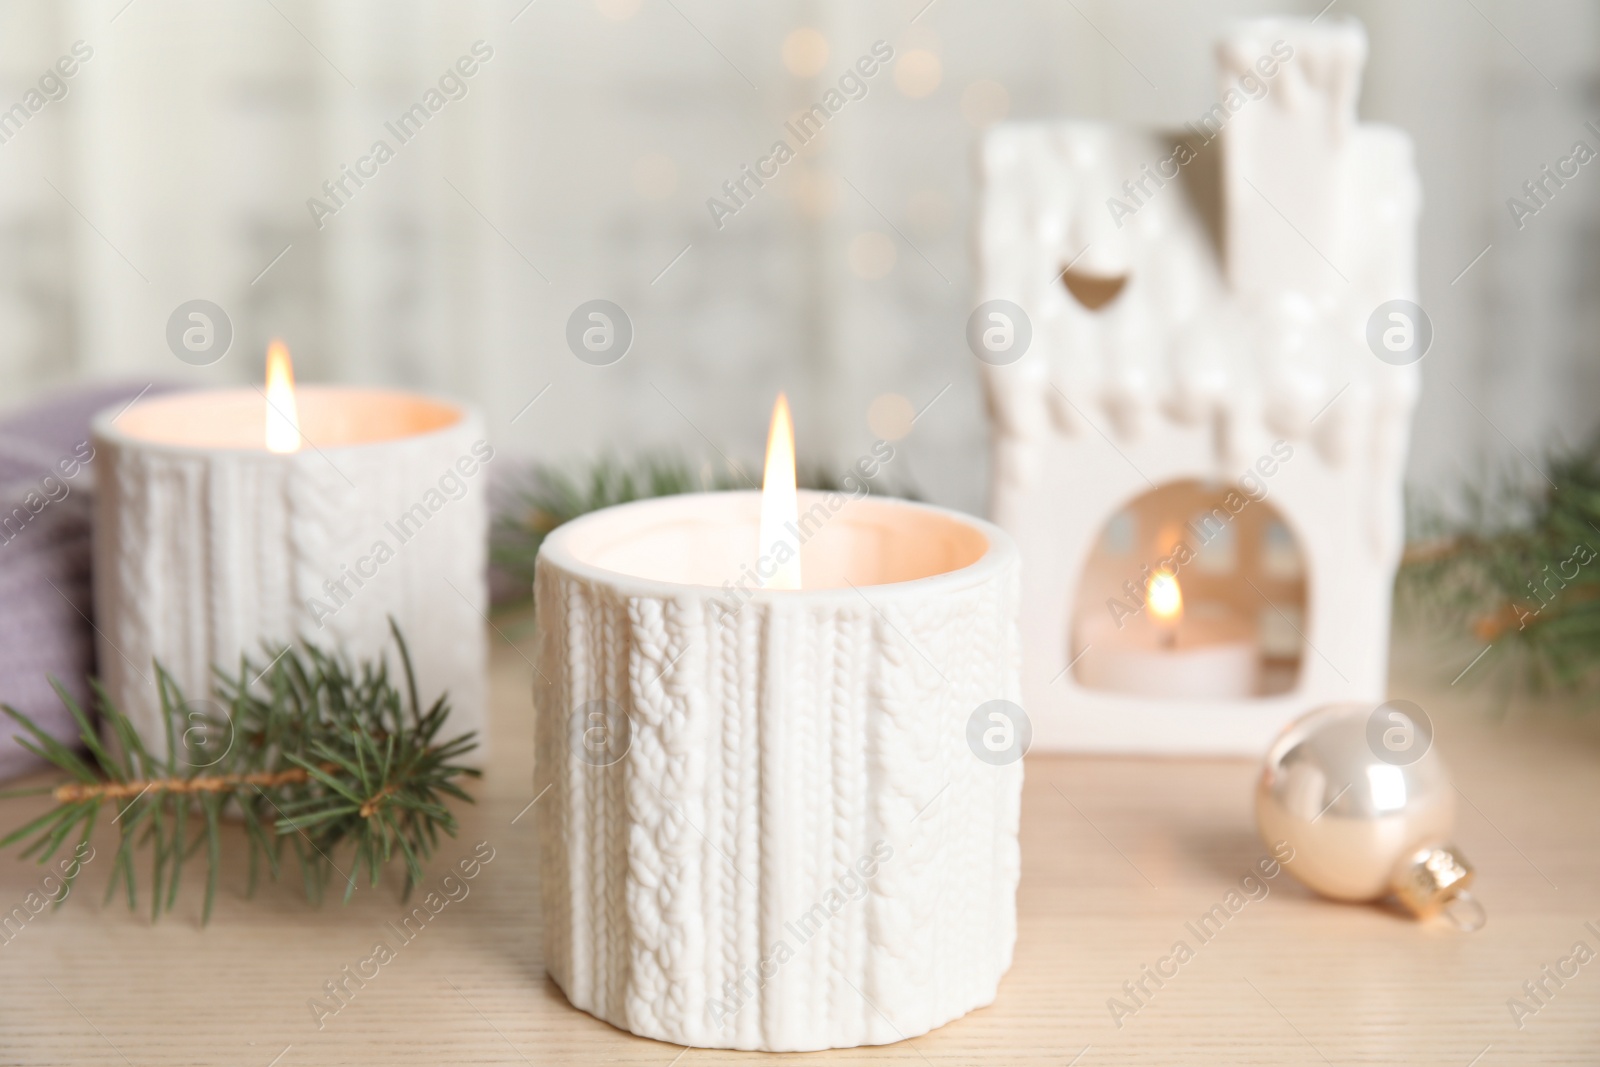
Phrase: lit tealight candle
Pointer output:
(232, 517)
(727, 745)
(1208, 653)
(1165, 600)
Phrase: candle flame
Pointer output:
(1164, 597)
(283, 418)
(780, 505)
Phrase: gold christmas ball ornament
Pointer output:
(1361, 796)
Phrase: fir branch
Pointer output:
(543, 497)
(1521, 571)
(72, 792)
(309, 750)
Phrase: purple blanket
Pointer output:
(46, 488)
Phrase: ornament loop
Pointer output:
(1466, 912)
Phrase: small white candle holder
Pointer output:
(766, 827)
(206, 545)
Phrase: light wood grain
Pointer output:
(1117, 855)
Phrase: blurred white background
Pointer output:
(577, 166)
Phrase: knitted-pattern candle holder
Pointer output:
(206, 545)
(765, 826)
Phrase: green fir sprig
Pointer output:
(308, 750)
(1521, 572)
(544, 496)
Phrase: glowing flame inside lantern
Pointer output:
(1166, 604)
(1165, 598)
(780, 505)
(283, 418)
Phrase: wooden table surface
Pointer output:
(1109, 879)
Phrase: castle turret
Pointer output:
(1287, 111)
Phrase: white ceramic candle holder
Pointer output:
(1204, 306)
(765, 826)
(206, 544)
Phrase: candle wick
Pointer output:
(1169, 637)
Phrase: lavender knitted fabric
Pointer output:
(46, 487)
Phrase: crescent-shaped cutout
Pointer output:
(1093, 291)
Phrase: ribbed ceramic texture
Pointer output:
(203, 555)
(770, 754)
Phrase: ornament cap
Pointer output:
(1429, 880)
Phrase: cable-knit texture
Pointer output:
(201, 556)
(802, 852)
(664, 774)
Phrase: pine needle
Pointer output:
(1521, 573)
(332, 757)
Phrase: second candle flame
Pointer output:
(283, 418)
(779, 559)
(1165, 598)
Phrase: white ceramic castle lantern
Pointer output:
(1202, 392)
